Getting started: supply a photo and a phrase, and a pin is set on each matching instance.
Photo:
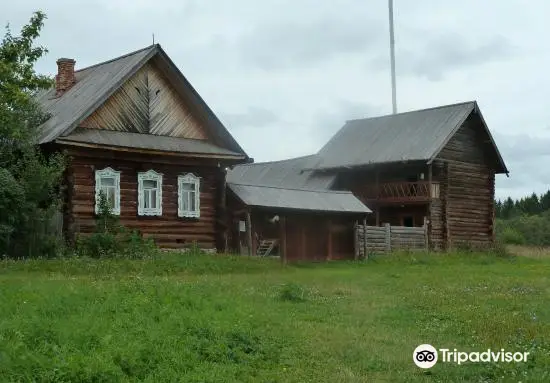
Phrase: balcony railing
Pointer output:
(404, 191)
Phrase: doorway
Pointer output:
(408, 221)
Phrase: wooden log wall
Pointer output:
(468, 187)
(470, 206)
(387, 238)
(168, 230)
(437, 216)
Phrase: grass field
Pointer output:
(223, 319)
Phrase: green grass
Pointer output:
(222, 319)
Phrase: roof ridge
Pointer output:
(414, 111)
(277, 161)
(298, 189)
(118, 58)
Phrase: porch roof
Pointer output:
(299, 199)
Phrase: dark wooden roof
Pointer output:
(284, 184)
(285, 173)
(299, 199)
(115, 139)
(404, 137)
(95, 84)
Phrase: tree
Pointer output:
(498, 209)
(29, 187)
(545, 201)
(508, 208)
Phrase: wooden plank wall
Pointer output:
(307, 237)
(311, 236)
(387, 238)
(168, 230)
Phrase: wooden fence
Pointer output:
(55, 226)
(384, 239)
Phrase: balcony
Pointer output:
(403, 191)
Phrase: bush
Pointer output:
(531, 230)
(112, 240)
(292, 292)
(29, 201)
(512, 236)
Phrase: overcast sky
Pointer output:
(284, 75)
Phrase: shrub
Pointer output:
(292, 292)
(112, 240)
(512, 236)
(531, 230)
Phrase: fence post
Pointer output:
(388, 237)
(356, 240)
(365, 241)
(426, 238)
(365, 254)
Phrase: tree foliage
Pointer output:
(525, 220)
(530, 205)
(29, 179)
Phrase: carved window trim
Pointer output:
(115, 175)
(189, 179)
(149, 175)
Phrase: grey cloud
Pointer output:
(327, 123)
(444, 53)
(280, 45)
(253, 117)
(286, 138)
(526, 158)
(519, 147)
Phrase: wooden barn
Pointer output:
(434, 166)
(135, 129)
(277, 209)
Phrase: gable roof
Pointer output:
(284, 184)
(285, 173)
(410, 136)
(299, 199)
(95, 84)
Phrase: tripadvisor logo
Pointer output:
(426, 356)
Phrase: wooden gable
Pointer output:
(147, 103)
(471, 144)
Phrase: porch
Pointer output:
(396, 192)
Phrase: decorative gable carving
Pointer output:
(147, 103)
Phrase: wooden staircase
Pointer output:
(266, 247)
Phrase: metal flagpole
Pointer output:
(392, 59)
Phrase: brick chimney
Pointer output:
(65, 75)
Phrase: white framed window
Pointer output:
(150, 193)
(107, 181)
(189, 196)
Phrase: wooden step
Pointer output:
(265, 247)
